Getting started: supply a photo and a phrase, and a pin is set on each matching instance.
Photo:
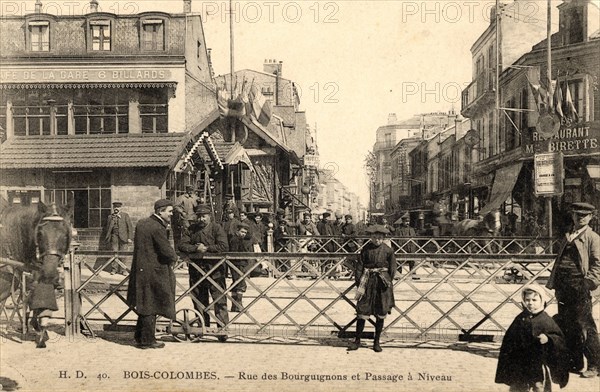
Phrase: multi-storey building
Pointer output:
(103, 107)
(509, 158)
(387, 136)
(511, 36)
(401, 173)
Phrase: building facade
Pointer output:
(104, 107)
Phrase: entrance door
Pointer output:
(80, 218)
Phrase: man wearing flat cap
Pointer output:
(119, 232)
(202, 238)
(409, 233)
(338, 224)
(151, 289)
(230, 222)
(374, 277)
(575, 274)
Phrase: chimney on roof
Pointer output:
(392, 119)
(273, 67)
(38, 7)
(94, 6)
(187, 6)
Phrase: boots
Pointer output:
(360, 326)
(237, 297)
(378, 328)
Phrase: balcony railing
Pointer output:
(483, 84)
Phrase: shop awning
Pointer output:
(504, 182)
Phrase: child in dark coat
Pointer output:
(533, 353)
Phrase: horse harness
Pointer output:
(53, 217)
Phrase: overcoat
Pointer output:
(522, 355)
(151, 288)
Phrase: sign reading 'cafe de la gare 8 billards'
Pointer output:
(572, 140)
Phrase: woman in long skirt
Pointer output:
(374, 278)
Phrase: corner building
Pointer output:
(102, 107)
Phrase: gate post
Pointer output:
(72, 301)
(270, 246)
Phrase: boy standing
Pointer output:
(533, 353)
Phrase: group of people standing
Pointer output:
(537, 349)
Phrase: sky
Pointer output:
(353, 61)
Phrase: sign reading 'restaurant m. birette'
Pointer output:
(82, 75)
(575, 139)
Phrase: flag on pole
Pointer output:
(570, 111)
(558, 100)
(223, 97)
(539, 95)
(261, 108)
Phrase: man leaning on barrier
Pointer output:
(576, 273)
(201, 238)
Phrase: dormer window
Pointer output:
(100, 35)
(39, 36)
(153, 35)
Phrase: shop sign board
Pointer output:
(311, 160)
(107, 74)
(572, 139)
(549, 174)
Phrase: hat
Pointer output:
(338, 215)
(405, 216)
(189, 187)
(536, 288)
(202, 209)
(582, 208)
(243, 225)
(307, 214)
(162, 203)
(117, 204)
(230, 210)
(374, 229)
(326, 215)
(348, 216)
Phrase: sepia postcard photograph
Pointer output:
(299, 195)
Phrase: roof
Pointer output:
(92, 151)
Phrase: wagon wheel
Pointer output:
(188, 325)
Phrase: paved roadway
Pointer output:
(110, 363)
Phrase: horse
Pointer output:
(490, 225)
(39, 237)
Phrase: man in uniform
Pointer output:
(201, 238)
(575, 274)
(119, 232)
(184, 213)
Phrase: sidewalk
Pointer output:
(111, 363)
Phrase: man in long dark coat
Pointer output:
(406, 231)
(151, 290)
(374, 279)
(119, 232)
(238, 242)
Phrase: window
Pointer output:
(3, 107)
(101, 111)
(39, 36)
(154, 110)
(576, 89)
(153, 35)
(100, 35)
